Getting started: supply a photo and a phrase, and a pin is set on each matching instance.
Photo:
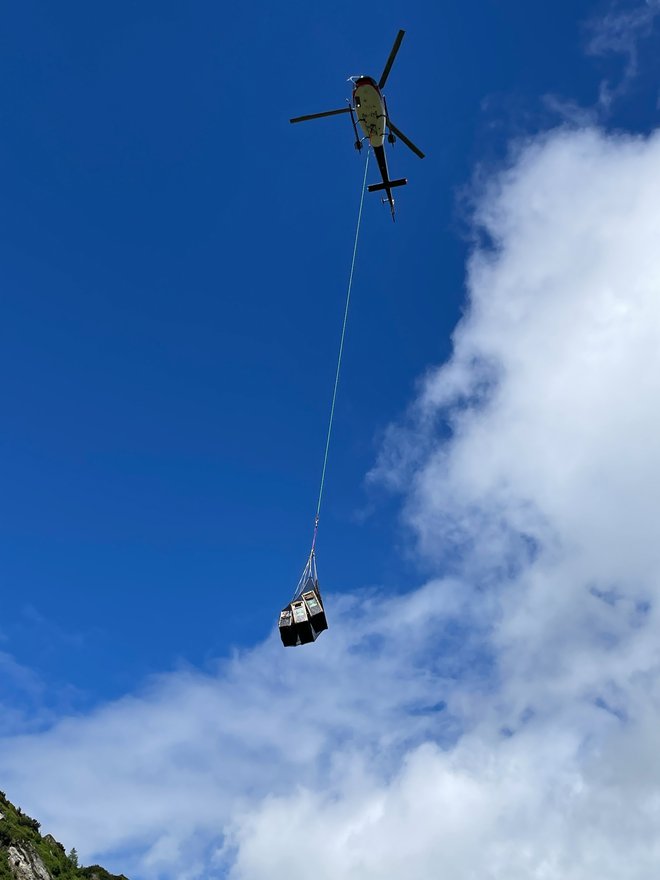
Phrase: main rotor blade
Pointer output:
(319, 115)
(390, 60)
(406, 140)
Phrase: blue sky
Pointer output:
(174, 259)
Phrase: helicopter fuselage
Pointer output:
(370, 110)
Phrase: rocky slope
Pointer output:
(26, 855)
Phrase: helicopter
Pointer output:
(368, 104)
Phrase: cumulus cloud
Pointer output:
(549, 398)
(158, 775)
(500, 721)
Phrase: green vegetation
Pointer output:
(20, 830)
(95, 872)
(5, 871)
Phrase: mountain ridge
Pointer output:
(27, 855)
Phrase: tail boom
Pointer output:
(387, 185)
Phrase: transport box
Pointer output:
(303, 619)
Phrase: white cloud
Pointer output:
(501, 721)
(160, 774)
(531, 463)
(519, 808)
(556, 459)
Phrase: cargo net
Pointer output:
(303, 619)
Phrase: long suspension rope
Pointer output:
(339, 357)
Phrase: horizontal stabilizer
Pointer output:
(377, 187)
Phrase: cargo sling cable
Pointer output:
(341, 352)
(309, 576)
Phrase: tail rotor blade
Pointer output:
(390, 60)
(319, 115)
(406, 140)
